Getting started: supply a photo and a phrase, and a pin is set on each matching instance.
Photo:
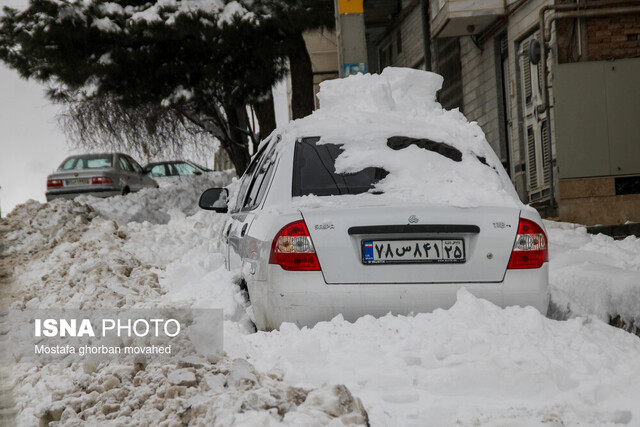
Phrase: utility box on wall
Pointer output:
(597, 118)
(597, 127)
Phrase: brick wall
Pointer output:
(612, 37)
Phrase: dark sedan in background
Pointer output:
(99, 175)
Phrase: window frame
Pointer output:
(135, 165)
(177, 165)
(247, 177)
(159, 165)
(124, 160)
(265, 170)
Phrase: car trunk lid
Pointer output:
(419, 244)
(79, 177)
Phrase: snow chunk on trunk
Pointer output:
(392, 121)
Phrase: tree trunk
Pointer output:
(266, 114)
(302, 102)
(236, 146)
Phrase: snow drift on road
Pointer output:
(179, 194)
(83, 254)
(594, 275)
(474, 364)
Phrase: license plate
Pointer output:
(77, 181)
(413, 251)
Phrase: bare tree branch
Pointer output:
(148, 131)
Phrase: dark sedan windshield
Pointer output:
(88, 161)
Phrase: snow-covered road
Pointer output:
(474, 364)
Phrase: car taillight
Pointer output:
(54, 183)
(293, 250)
(530, 249)
(101, 180)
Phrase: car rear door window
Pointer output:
(124, 164)
(158, 170)
(248, 178)
(136, 167)
(184, 169)
(314, 172)
(260, 182)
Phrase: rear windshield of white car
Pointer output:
(314, 172)
(89, 161)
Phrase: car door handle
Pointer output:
(244, 230)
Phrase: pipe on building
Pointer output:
(590, 14)
(426, 34)
(563, 11)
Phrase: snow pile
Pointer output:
(362, 112)
(34, 226)
(230, 392)
(177, 195)
(474, 364)
(594, 274)
(74, 254)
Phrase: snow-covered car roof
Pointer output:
(366, 113)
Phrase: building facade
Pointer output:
(563, 128)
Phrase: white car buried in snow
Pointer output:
(379, 202)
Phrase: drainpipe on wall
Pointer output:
(562, 11)
(426, 34)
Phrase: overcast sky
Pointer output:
(32, 145)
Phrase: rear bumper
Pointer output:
(304, 298)
(95, 192)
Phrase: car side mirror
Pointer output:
(215, 199)
(197, 173)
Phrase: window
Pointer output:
(124, 164)
(136, 167)
(184, 169)
(449, 66)
(314, 172)
(399, 42)
(384, 56)
(171, 169)
(260, 183)
(91, 161)
(247, 178)
(158, 170)
(69, 164)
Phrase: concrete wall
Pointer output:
(480, 95)
(588, 201)
(323, 51)
(407, 25)
(481, 92)
(594, 201)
